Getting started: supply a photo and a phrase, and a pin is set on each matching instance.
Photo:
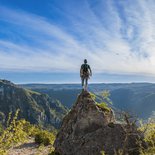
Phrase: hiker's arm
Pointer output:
(81, 71)
(90, 71)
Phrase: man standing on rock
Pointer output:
(85, 73)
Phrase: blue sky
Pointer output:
(46, 41)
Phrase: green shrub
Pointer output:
(102, 153)
(103, 100)
(93, 96)
(13, 134)
(149, 137)
(103, 106)
(44, 137)
(1, 128)
(53, 153)
(19, 131)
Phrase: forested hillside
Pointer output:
(35, 107)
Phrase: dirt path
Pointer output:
(29, 148)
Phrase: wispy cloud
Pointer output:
(115, 37)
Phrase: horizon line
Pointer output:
(78, 83)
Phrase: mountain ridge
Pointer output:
(35, 107)
(130, 97)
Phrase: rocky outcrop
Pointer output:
(89, 129)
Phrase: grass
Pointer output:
(32, 92)
(103, 106)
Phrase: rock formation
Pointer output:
(89, 129)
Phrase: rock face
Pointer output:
(89, 129)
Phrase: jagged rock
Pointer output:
(89, 129)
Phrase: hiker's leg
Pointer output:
(84, 87)
(82, 81)
(86, 83)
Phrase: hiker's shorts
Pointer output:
(84, 79)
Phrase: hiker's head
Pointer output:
(85, 61)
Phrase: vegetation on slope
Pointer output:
(102, 101)
(149, 137)
(19, 131)
(35, 107)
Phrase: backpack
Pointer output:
(85, 68)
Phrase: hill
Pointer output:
(37, 108)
